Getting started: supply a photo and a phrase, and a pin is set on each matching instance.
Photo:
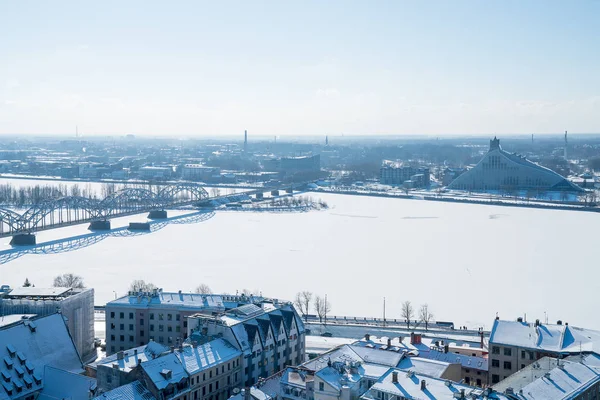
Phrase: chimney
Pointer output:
(520, 319)
(389, 342)
(559, 322)
(446, 348)
(423, 384)
(247, 394)
(400, 339)
(537, 322)
(367, 337)
(395, 377)
(481, 334)
(120, 355)
(412, 338)
(415, 338)
(172, 349)
(462, 393)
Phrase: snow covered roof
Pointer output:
(343, 353)
(196, 359)
(255, 393)
(296, 377)
(432, 368)
(409, 387)
(28, 347)
(563, 339)
(32, 291)
(171, 300)
(338, 376)
(549, 380)
(165, 370)
(131, 357)
(11, 319)
(376, 356)
(59, 384)
(131, 391)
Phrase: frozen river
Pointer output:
(466, 261)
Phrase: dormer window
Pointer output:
(8, 362)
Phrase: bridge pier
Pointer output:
(23, 239)
(289, 190)
(274, 192)
(259, 195)
(157, 214)
(139, 226)
(103, 225)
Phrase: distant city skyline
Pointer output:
(199, 68)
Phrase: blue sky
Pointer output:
(185, 68)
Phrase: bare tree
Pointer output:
(139, 285)
(425, 315)
(215, 192)
(407, 312)
(27, 283)
(303, 300)
(322, 307)
(69, 280)
(203, 289)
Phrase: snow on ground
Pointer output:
(466, 261)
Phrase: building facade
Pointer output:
(395, 173)
(499, 170)
(516, 344)
(270, 336)
(139, 317)
(76, 306)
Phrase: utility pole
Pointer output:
(325, 309)
(384, 311)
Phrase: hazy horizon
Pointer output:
(212, 69)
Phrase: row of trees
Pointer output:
(297, 201)
(305, 303)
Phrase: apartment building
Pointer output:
(516, 344)
(76, 305)
(270, 335)
(139, 317)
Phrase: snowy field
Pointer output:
(466, 261)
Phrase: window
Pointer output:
(142, 333)
(130, 338)
(177, 328)
(161, 317)
(496, 363)
(210, 374)
(507, 351)
(122, 315)
(161, 328)
(112, 349)
(495, 378)
(112, 314)
(531, 355)
(112, 326)
(151, 315)
(122, 338)
(122, 327)
(130, 327)
(161, 339)
(203, 390)
(185, 324)
(169, 328)
(169, 317)
(522, 366)
(141, 321)
(468, 380)
(151, 328)
(112, 338)
(507, 365)
(321, 386)
(177, 317)
(479, 382)
(130, 315)
(217, 385)
(467, 370)
(209, 387)
(522, 353)
(170, 340)
(495, 350)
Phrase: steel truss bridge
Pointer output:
(71, 210)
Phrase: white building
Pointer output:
(501, 170)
